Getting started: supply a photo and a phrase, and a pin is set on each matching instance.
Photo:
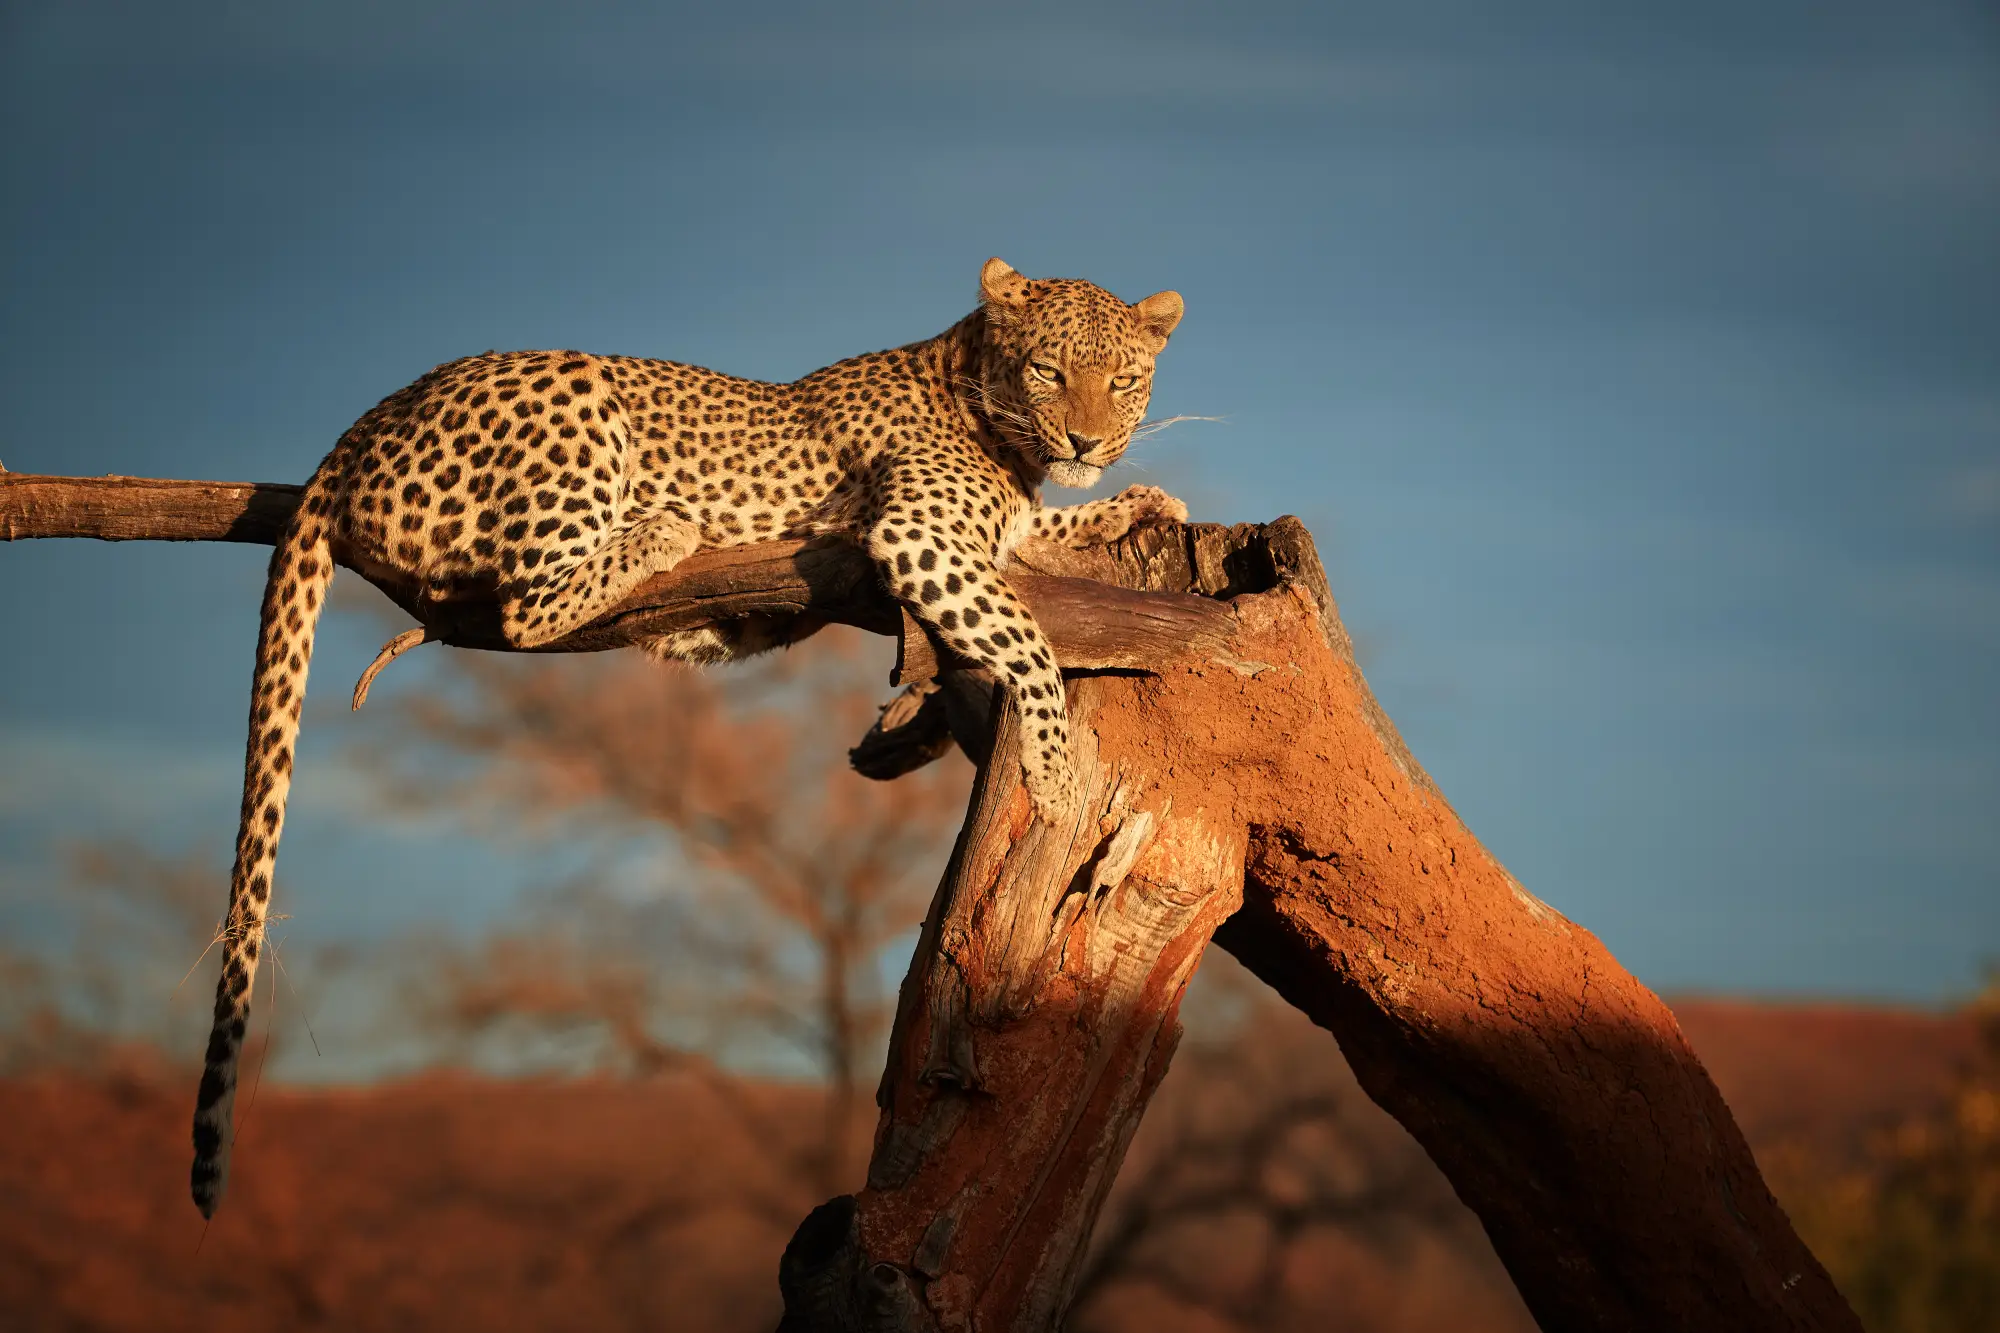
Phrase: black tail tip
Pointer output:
(205, 1186)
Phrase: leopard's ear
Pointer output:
(1000, 285)
(1158, 314)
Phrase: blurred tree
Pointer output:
(1912, 1232)
(766, 918)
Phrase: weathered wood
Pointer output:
(1554, 1090)
(798, 585)
(1034, 1025)
(914, 729)
(120, 509)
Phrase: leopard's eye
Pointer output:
(1046, 371)
(1124, 382)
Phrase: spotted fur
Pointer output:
(559, 481)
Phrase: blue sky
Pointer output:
(1639, 376)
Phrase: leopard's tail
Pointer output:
(294, 593)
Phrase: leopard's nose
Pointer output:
(1083, 444)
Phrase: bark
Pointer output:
(1240, 752)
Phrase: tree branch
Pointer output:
(802, 583)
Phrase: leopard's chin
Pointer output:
(1069, 472)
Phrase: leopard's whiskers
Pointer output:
(1153, 426)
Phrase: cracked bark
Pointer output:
(1232, 749)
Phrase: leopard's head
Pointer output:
(1067, 368)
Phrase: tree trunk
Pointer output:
(1034, 1024)
(1552, 1088)
(1236, 751)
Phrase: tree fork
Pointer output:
(1240, 753)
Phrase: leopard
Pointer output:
(554, 483)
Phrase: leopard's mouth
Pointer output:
(1058, 461)
(1066, 467)
(1073, 472)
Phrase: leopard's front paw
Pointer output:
(1150, 504)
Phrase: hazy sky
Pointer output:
(1640, 379)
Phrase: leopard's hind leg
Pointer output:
(577, 584)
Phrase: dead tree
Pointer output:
(1243, 786)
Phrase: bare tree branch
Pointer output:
(802, 584)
